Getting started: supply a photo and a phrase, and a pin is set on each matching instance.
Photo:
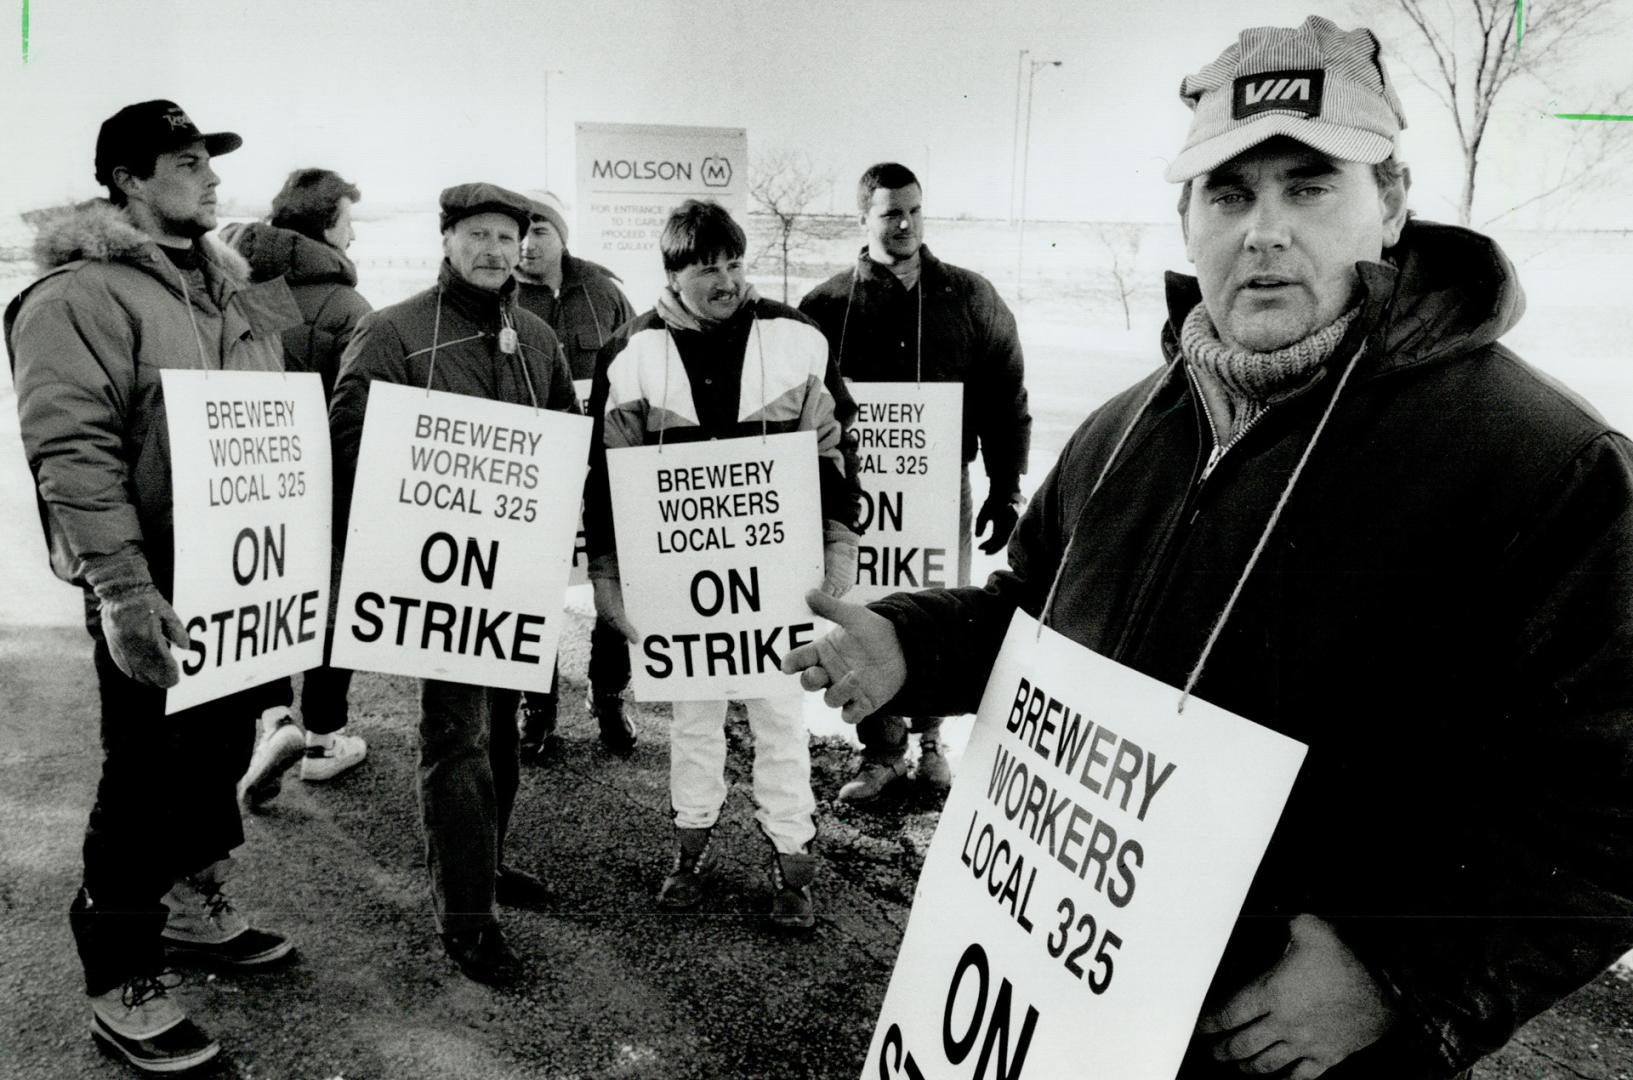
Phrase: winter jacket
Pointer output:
(324, 284)
(584, 314)
(969, 337)
(394, 344)
(87, 342)
(764, 369)
(1443, 612)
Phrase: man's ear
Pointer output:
(446, 238)
(126, 181)
(671, 279)
(1393, 199)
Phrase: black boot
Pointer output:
(539, 739)
(617, 732)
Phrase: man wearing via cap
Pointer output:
(902, 315)
(463, 335)
(130, 285)
(1343, 510)
(583, 304)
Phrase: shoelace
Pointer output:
(216, 905)
(144, 988)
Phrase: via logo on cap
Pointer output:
(178, 120)
(1279, 91)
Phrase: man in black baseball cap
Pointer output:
(129, 286)
(135, 136)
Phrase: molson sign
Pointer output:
(630, 176)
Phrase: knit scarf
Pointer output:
(1251, 382)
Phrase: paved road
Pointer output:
(616, 989)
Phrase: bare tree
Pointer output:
(1477, 47)
(1122, 240)
(784, 184)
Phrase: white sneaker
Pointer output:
(280, 747)
(326, 762)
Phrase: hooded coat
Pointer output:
(1443, 613)
(87, 342)
(322, 280)
(585, 313)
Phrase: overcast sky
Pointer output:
(407, 97)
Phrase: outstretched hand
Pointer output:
(859, 663)
(1318, 1005)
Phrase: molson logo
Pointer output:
(716, 172)
(1281, 91)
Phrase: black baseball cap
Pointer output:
(157, 126)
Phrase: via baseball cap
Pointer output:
(152, 127)
(1318, 84)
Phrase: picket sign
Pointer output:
(250, 499)
(460, 537)
(718, 542)
(1089, 864)
(909, 449)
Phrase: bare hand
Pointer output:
(609, 606)
(1317, 1006)
(859, 662)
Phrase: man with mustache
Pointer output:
(1345, 511)
(464, 335)
(656, 381)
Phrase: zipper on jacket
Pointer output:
(1219, 449)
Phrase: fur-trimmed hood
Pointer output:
(98, 231)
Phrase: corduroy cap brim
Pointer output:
(464, 200)
(1325, 87)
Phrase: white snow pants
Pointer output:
(784, 804)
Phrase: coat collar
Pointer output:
(483, 306)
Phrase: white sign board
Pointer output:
(460, 536)
(1088, 867)
(718, 543)
(910, 444)
(250, 477)
(630, 176)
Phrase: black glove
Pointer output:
(1001, 512)
(137, 622)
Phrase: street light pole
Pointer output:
(547, 73)
(1026, 154)
(1015, 132)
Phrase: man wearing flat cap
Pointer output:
(130, 285)
(464, 335)
(1343, 510)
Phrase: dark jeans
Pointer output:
(468, 774)
(166, 806)
(323, 695)
(609, 664)
(884, 737)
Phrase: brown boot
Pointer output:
(686, 884)
(792, 907)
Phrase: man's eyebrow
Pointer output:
(1223, 177)
(1311, 170)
